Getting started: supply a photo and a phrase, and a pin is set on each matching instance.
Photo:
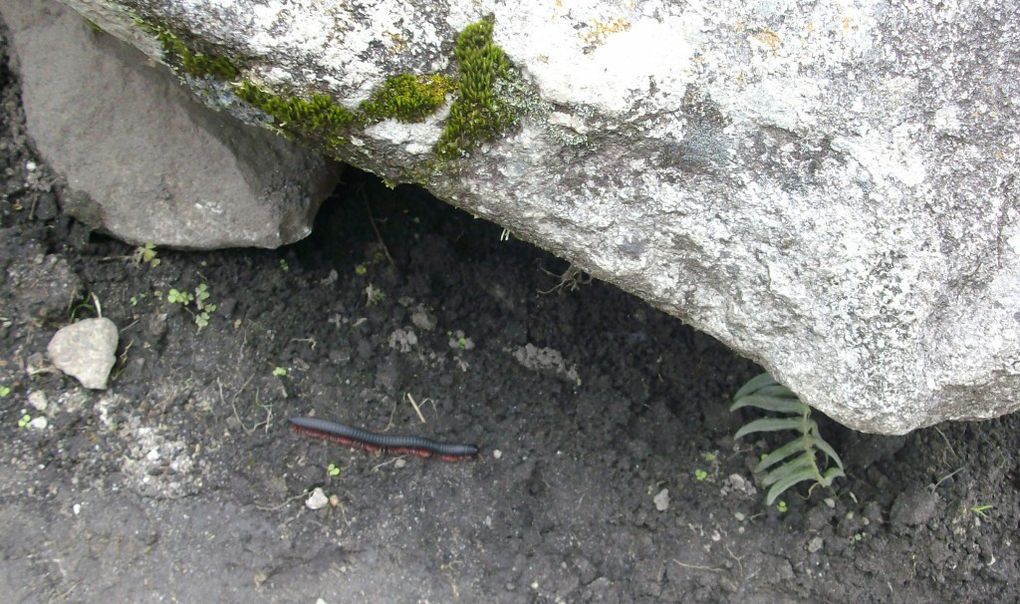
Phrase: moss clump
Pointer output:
(478, 114)
(406, 97)
(194, 63)
(318, 117)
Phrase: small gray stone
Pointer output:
(85, 350)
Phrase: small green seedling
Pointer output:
(360, 270)
(280, 372)
(146, 254)
(981, 510)
(700, 475)
(797, 460)
(781, 506)
(332, 470)
(178, 297)
(283, 265)
(710, 457)
(25, 420)
(5, 391)
(203, 307)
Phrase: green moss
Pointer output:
(318, 118)
(194, 63)
(478, 114)
(406, 97)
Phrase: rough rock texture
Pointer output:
(157, 167)
(828, 187)
(86, 351)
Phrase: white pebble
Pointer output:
(317, 500)
(497, 454)
(39, 423)
(661, 500)
(76, 508)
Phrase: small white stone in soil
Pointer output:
(76, 508)
(39, 423)
(497, 454)
(815, 544)
(740, 516)
(317, 500)
(829, 501)
(37, 398)
(662, 500)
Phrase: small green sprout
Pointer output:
(283, 265)
(333, 470)
(700, 475)
(178, 297)
(797, 460)
(146, 254)
(25, 420)
(781, 506)
(280, 372)
(981, 510)
(710, 457)
(360, 270)
(5, 390)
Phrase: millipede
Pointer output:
(370, 442)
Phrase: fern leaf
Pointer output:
(831, 474)
(797, 465)
(771, 424)
(795, 446)
(771, 403)
(759, 381)
(780, 486)
(827, 449)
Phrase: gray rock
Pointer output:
(831, 190)
(86, 351)
(156, 166)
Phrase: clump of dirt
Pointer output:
(608, 468)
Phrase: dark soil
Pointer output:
(181, 482)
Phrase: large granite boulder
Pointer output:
(830, 188)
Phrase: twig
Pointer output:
(935, 486)
(417, 409)
(699, 567)
(378, 235)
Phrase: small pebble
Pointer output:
(317, 500)
(740, 516)
(662, 500)
(815, 544)
(829, 501)
(39, 423)
(37, 398)
(497, 454)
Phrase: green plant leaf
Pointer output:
(776, 390)
(827, 449)
(831, 474)
(771, 424)
(771, 403)
(795, 446)
(797, 465)
(755, 383)
(781, 486)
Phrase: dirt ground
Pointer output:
(182, 483)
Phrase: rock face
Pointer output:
(157, 166)
(830, 188)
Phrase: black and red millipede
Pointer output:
(371, 441)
